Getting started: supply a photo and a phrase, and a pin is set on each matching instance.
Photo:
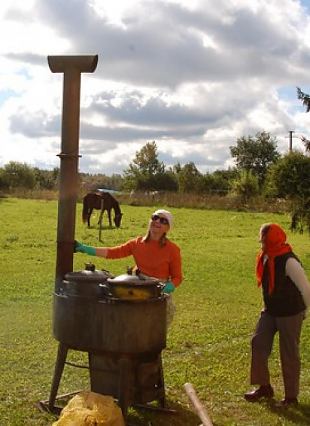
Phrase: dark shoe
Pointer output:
(261, 392)
(288, 402)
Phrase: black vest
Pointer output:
(286, 299)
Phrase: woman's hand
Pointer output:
(169, 287)
(82, 248)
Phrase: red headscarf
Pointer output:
(275, 245)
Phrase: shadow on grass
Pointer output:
(298, 414)
(145, 417)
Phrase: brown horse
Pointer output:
(101, 201)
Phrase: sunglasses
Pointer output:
(162, 220)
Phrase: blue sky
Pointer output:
(192, 77)
(306, 4)
(6, 94)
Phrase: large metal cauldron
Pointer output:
(89, 317)
(121, 323)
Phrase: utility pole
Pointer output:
(305, 141)
(290, 144)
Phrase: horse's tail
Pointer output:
(85, 209)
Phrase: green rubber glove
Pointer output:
(169, 287)
(82, 248)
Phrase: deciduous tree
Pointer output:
(18, 175)
(190, 179)
(255, 154)
(290, 179)
(146, 172)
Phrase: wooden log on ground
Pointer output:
(200, 409)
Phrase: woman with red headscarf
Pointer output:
(286, 294)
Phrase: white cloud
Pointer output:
(188, 75)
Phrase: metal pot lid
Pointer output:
(88, 275)
(133, 279)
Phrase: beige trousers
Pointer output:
(289, 329)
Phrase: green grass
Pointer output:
(209, 341)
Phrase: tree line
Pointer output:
(16, 175)
(259, 170)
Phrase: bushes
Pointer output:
(17, 175)
(289, 178)
(246, 186)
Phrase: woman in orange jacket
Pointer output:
(155, 255)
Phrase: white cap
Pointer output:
(167, 215)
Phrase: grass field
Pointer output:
(208, 343)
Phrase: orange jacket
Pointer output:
(153, 260)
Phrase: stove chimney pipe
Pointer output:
(71, 67)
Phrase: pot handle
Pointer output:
(105, 290)
(161, 285)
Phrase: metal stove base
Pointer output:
(130, 373)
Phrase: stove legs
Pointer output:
(125, 385)
(133, 381)
(59, 367)
(162, 399)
